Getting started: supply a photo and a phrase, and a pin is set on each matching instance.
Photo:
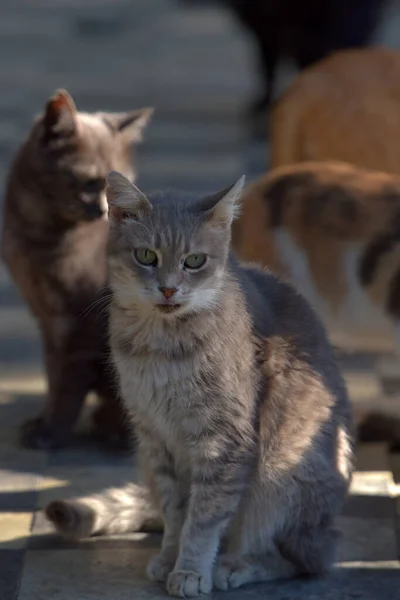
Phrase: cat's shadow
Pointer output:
(84, 465)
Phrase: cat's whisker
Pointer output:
(103, 311)
(98, 302)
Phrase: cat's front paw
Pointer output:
(188, 584)
(159, 567)
(36, 433)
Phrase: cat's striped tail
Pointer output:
(114, 511)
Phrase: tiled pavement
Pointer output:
(192, 64)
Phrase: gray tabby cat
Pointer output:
(242, 416)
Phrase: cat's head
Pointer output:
(72, 152)
(168, 251)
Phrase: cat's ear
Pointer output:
(223, 207)
(125, 200)
(60, 115)
(129, 124)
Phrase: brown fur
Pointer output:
(326, 207)
(54, 243)
(346, 107)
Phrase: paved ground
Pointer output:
(193, 65)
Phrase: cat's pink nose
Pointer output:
(168, 292)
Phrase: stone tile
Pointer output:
(21, 500)
(388, 367)
(357, 361)
(395, 466)
(366, 540)
(11, 562)
(372, 457)
(17, 322)
(8, 296)
(369, 582)
(364, 388)
(14, 530)
(19, 482)
(391, 389)
(23, 380)
(84, 452)
(117, 574)
(26, 350)
(187, 167)
(367, 507)
(371, 483)
(120, 574)
(179, 132)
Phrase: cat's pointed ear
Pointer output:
(223, 207)
(125, 200)
(60, 115)
(129, 124)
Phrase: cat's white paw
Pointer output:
(159, 567)
(188, 584)
(231, 572)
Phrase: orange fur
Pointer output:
(346, 107)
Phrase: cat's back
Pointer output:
(346, 107)
(277, 309)
(316, 203)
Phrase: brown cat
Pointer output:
(54, 239)
(346, 107)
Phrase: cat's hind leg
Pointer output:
(303, 552)
(114, 511)
(312, 550)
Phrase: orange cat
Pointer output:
(333, 230)
(346, 107)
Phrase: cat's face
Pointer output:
(167, 252)
(77, 150)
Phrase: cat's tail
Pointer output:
(114, 511)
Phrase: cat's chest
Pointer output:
(161, 394)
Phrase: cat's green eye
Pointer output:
(146, 257)
(195, 261)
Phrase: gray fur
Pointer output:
(242, 416)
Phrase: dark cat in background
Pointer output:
(303, 30)
(55, 231)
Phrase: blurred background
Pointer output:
(196, 63)
(192, 60)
